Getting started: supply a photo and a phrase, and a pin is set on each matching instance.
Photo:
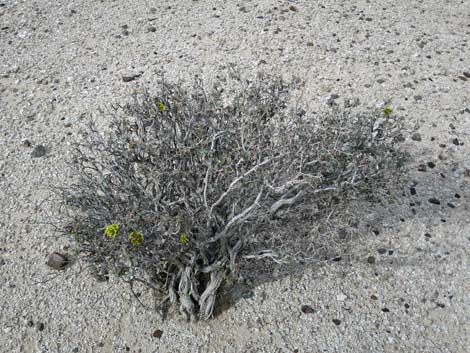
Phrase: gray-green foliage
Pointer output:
(209, 177)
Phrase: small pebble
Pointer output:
(157, 334)
(128, 78)
(434, 201)
(337, 322)
(57, 261)
(307, 309)
(416, 136)
(39, 151)
(371, 260)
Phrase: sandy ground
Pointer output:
(60, 61)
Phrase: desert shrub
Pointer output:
(191, 181)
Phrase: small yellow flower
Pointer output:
(387, 110)
(161, 106)
(136, 238)
(111, 230)
(184, 239)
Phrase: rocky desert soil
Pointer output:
(405, 287)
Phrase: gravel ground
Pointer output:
(405, 287)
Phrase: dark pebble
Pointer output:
(450, 204)
(373, 297)
(386, 310)
(431, 165)
(434, 201)
(440, 305)
(381, 251)
(30, 323)
(416, 136)
(336, 259)
(151, 29)
(456, 141)
(457, 196)
(57, 261)
(157, 334)
(371, 260)
(307, 309)
(427, 235)
(407, 306)
(422, 168)
(309, 44)
(390, 252)
(375, 231)
(337, 322)
(418, 98)
(39, 151)
(128, 78)
(413, 191)
(467, 74)
(293, 8)
(26, 143)
(41, 326)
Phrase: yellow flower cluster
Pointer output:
(161, 106)
(136, 238)
(111, 230)
(184, 239)
(387, 110)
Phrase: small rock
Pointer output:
(466, 74)
(456, 141)
(39, 151)
(418, 97)
(371, 260)
(309, 44)
(57, 261)
(422, 168)
(416, 136)
(157, 334)
(337, 322)
(307, 309)
(380, 80)
(386, 310)
(128, 78)
(293, 8)
(381, 251)
(450, 204)
(41, 326)
(26, 143)
(151, 29)
(434, 201)
(341, 297)
(431, 165)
